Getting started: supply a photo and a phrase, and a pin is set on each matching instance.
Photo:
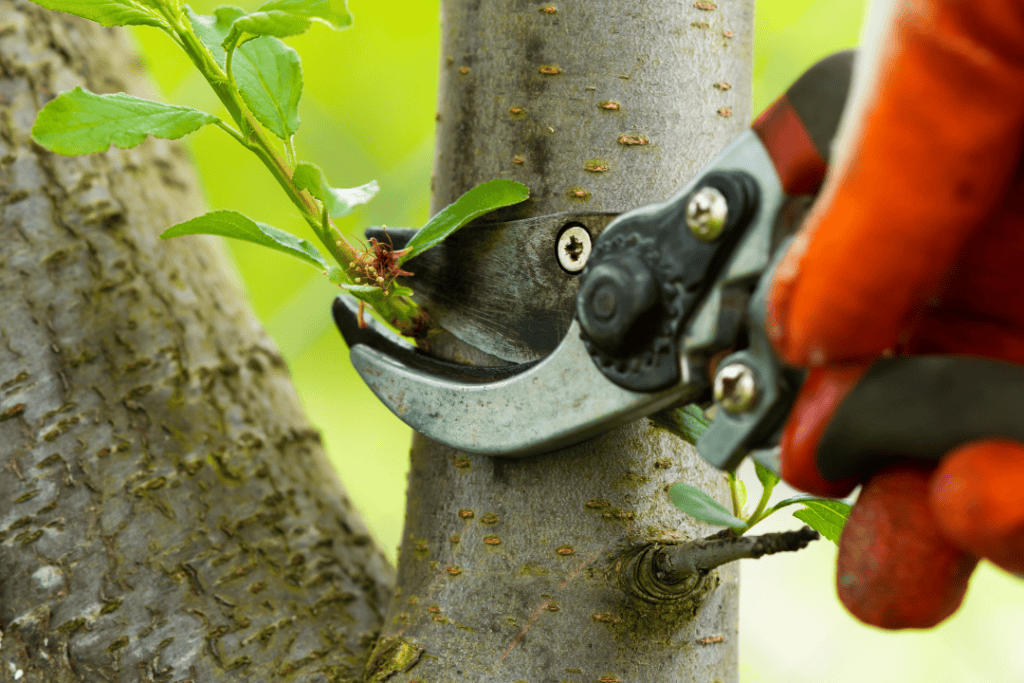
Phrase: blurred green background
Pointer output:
(368, 113)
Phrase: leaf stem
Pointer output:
(737, 508)
(289, 148)
(208, 67)
(228, 70)
(759, 512)
(232, 132)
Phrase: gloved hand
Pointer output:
(916, 245)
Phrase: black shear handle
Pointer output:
(920, 408)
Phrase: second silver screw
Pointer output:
(736, 388)
(706, 213)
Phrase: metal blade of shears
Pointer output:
(564, 398)
(513, 410)
(500, 286)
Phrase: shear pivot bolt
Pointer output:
(573, 248)
(706, 213)
(736, 388)
(614, 297)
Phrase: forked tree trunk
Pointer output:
(166, 512)
(520, 569)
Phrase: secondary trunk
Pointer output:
(166, 512)
(528, 569)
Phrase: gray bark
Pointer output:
(166, 512)
(535, 569)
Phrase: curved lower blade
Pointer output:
(508, 411)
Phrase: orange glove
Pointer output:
(916, 245)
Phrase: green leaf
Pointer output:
(767, 478)
(211, 31)
(481, 199)
(268, 72)
(700, 505)
(278, 24)
(339, 202)
(334, 14)
(283, 18)
(81, 122)
(825, 515)
(336, 275)
(234, 224)
(688, 422)
(269, 77)
(114, 12)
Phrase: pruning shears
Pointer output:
(668, 309)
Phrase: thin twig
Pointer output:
(673, 563)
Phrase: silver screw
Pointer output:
(573, 248)
(736, 388)
(706, 213)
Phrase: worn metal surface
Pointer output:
(562, 400)
(499, 286)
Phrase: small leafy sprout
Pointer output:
(825, 515)
(258, 79)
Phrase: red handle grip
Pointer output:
(798, 128)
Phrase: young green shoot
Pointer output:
(824, 515)
(258, 79)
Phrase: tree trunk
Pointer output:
(532, 569)
(166, 513)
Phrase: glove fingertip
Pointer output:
(975, 496)
(895, 569)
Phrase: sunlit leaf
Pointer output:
(825, 515)
(283, 18)
(339, 201)
(481, 199)
(333, 13)
(268, 72)
(113, 12)
(81, 122)
(211, 31)
(234, 224)
(767, 478)
(741, 494)
(269, 77)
